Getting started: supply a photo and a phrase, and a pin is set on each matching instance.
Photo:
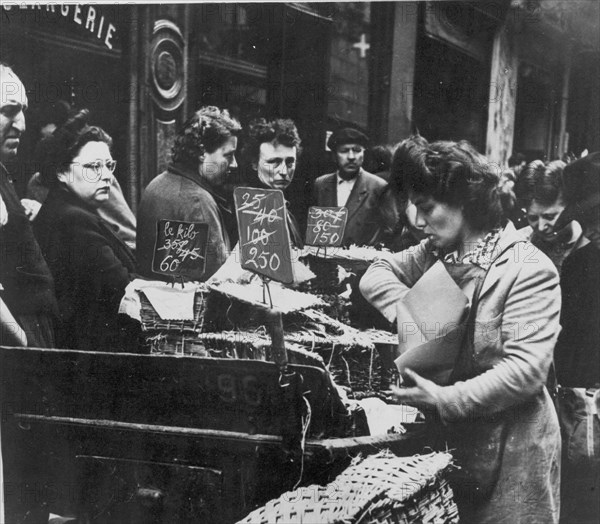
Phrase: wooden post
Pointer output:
(274, 324)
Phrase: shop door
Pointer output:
(537, 110)
(298, 89)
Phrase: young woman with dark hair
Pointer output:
(498, 385)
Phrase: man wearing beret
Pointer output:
(353, 187)
(577, 351)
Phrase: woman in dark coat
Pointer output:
(91, 265)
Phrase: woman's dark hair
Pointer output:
(540, 182)
(58, 150)
(456, 174)
(281, 131)
(378, 158)
(205, 132)
(406, 158)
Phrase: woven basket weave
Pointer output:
(382, 489)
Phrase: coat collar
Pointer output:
(181, 170)
(509, 235)
(358, 194)
(61, 198)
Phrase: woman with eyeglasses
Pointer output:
(91, 265)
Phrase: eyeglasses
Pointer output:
(99, 165)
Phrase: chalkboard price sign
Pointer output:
(264, 236)
(180, 248)
(325, 226)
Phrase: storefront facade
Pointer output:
(508, 77)
(142, 69)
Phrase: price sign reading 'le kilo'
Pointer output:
(264, 236)
(180, 248)
(325, 226)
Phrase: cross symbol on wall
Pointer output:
(362, 45)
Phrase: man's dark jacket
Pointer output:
(365, 218)
(24, 274)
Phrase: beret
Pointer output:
(347, 135)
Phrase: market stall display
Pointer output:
(246, 387)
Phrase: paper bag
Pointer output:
(431, 325)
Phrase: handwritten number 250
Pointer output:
(262, 260)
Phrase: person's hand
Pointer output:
(3, 212)
(424, 393)
(32, 208)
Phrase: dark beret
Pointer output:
(347, 135)
(581, 186)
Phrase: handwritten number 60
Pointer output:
(169, 264)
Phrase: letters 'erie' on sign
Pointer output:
(325, 226)
(180, 248)
(264, 236)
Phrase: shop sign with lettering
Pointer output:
(90, 18)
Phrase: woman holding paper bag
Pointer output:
(91, 265)
(493, 397)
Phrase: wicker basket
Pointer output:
(380, 489)
(197, 337)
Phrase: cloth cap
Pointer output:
(347, 135)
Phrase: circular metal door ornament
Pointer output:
(167, 65)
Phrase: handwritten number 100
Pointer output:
(262, 260)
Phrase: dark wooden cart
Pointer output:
(113, 437)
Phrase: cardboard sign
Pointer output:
(325, 226)
(180, 248)
(264, 236)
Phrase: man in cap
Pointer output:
(577, 351)
(353, 187)
(28, 288)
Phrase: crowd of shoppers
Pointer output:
(66, 264)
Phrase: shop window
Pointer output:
(450, 94)
(535, 112)
(349, 65)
